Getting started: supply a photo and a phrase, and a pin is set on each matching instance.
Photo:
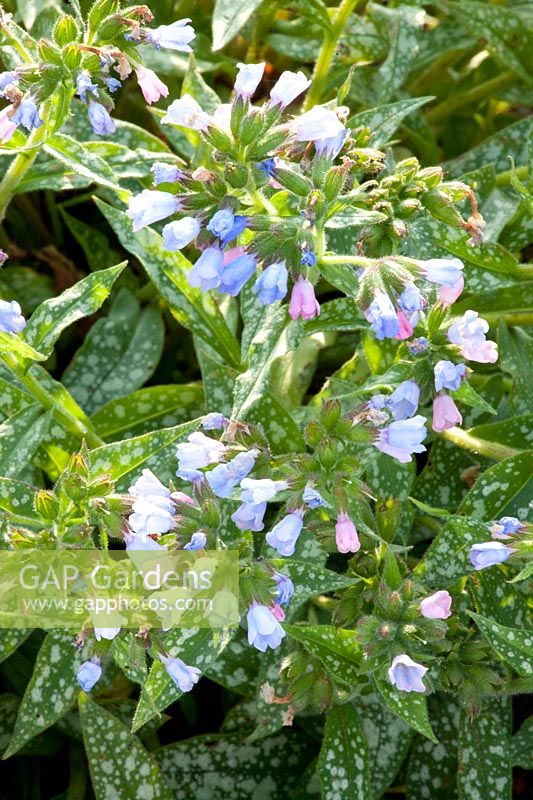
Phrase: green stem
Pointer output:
(356, 261)
(504, 178)
(19, 167)
(456, 102)
(513, 318)
(327, 51)
(478, 446)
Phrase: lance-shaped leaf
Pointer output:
(514, 645)
(11, 343)
(389, 739)
(20, 436)
(484, 753)
(432, 773)
(336, 648)
(16, 498)
(343, 764)
(11, 639)
(410, 706)
(384, 121)
(229, 16)
(83, 162)
(503, 489)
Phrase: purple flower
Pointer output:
(11, 319)
(444, 271)
(198, 541)
(84, 85)
(406, 674)
(418, 345)
(287, 88)
(134, 541)
(198, 452)
(239, 225)
(27, 115)
(183, 676)
(487, 554)
(510, 525)
(248, 79)
(100, 119)
(313, 499)
(308, 259)
(106, 633)
(303, 301)
(411, 302)
(207, 271)
(403, 402)
(236, 273)
(165, 173)
(214, 421)
(260, 490)
(151, 206)
(271, 284)
(151, 85)
(188, 113)
(112, 84)
(402, 438)
(284, 535)
(449, 294)
(437, 606)
(172, 37)
(448, 375)
(316, 124)
(382, 316)
(268, 166)
(468, 333)
(249, 516)
(445, 413)
(89, 674)
(285, 589)
(180, 233)
(221, 223)
(8, 79)
(149, 485)
(346, 537)
(224, 478)
(263, 628)
(331, 145)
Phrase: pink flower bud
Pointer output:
(346, 535)
(151, 86)
(278, 612)
(437, 606)
(445, 413)
(449, 294)
(303, 301)
(406, 329)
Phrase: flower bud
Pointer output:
(330, 414)
(47, 505)
(219, 139)
(65, 30)
(334, 183)
(294, 182)
(236, 175)
(251, 127)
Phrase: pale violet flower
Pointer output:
(382, 316)
(164, 173)
(151, 85)
(264, 629)
(402, 438)
(248, 79)
(214, 421)
(188, 113)
(172, 37)
(436, 606)
(152, 514)
(303, 302)
(468, 333)
(207, 271)
(222, 117)
(444, 271)
(448, 375)
(11, 319)
(106, 633)
(506, 527)
(27, 115)
(318, 123)
(331, 146)
(249, 516)
(285, 588)
(84, 84)
(135, 541)
(197, 542)
(284, 535)
(445, 413)
(260, 490)
(288, 87)
(313, 498)
(406, 675)
(100, 119)
(89, 674)
(402, 403)
(346, 537)
(148, 484)
(236, 273)
(184, 676)
(151, 206)
(271, 284)
(198, 452)
(225, 477)
(180, 233)
(487, 554)
(221, 222)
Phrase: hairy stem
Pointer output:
(19, 167)
(480, 447)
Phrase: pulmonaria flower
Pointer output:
(222, 117)
(402, 403)
(318, 123)
(264, 629)
(113, 84)
(449, 294)
(383, 317)
(417, 346)
(411, 303)
(214, 421)
(312, 498)
(285, 589)
(271, 284)
(198, 541)
(260, 490)
(308, 258)
(236, 272)
(184, 676)
(89, 674)
(303, 301)
(487, 554)
(284, 535)
(135, 541)
(436, 606)
(7, 126)
(331, 146)
(27, 115)
(198, 452)
(172, 37)
(448, 375)
(11, 319)
(106, 633)
(180, 233)
(84, 84)
(249, 516)
(248, 79)
(506, 527)
(207, 271)
(406, 675)
(8, 79)
(346, 536)
(221, 223)
(239, 225)
(149, 484)
(188, 113)
(288, 87)
(445, 413)
(468, 333)
(225, 477)
(402, 438)
(268, 166)
(444, 271)
(151, 85)
(152, 514)
(100, 119)
(406, 328)
(278, 612)
(151, 206)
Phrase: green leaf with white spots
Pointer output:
(516, 354)
(495, 150)
(8, 713)
(120, 766)
(515, 432)
(410, 706)
(93, 242)
(514, 645)
(497, 599)
(432, 772)
(20, 436)
(237, 666)
(336, 649)
(12, 343)
(467, 394)
(343, 764)
(385, 120)
(12, 399)
(10, 640)
(51, 691)
(81, 161)
(283, 433)
(52, 317)
(389, 739)
(311, 579)
(521, 746)
(17, 498)
(504, 489)
(229, 16)
(484, 753)
(447, 558)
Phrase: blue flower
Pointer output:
(268, 166)
(236, 273)
(402, 438)
(101, 121)
(207, 271)
(403, 402)
(112, 84)
(239, 225)
(313, 499)
(285, 589)
(221, 223)
(444, 271)
(417, 346)
(382, 316)
(27, 115)
(89, 674)
(165, 173)
(511, 525)
(214, 421)
(150, 206)
(180, 233)
(198, 452)
(448, 375)
(487, 554)
(11, 319)
(84, 85)
(181, 673)
(173, 37)
(249, 516)
(263, 628)
(260, 490)
(7, 79)
(308, 259)
(331, 145)
(284, 535)
(271, 285)
(406, 675)
(198, 541)
(411, 302)
(223, 478)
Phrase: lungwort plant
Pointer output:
(270, 312)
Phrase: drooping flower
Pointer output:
(236, 272)
(331, 146)
(406, 328)
(303, 301)
(152, 514)
(214, 421)
(449, 294)
(165, 173)
(239, 225)
(445, 413)
(448, 375)
(149, 484)
(284, 535)
(346, 536)
(402, 438)
(271, 284)
(84, 84)
(222, 117)
(268, 166)
(185, 111)
(11, 319)
(417, 346)
(288, 87)
(198, 541)
(207, 271)
(89, 674)
(260, 490)
(403, 402)
(151, 206)
(406, 674)
(312, 498)
(113, 84)
(101, 121)
(436, 606)
(135, 541)
(318, 123)
(221, 223)
(198, 452)
(248, 79)
(8, 79)
(184, 676)
(27, 115)
(285, 588)
(106, 633)
(172, 37)
(308, 258)
(487, 554)
(411, 303)
(468, 333)
(444, 271)
(151, 85)
(506, 527)
(249, 516)
(180, 233)
(383, 317)
(225, 477)
(7, 126)
(264, 629)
